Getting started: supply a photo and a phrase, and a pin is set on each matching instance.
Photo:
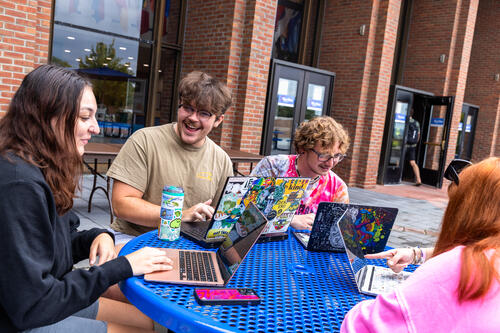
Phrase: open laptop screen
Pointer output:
(371, 226)
(230, 207)
(240, 240)
(370, 279)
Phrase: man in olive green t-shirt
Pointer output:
(178, 154)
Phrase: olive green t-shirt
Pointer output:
(155, 156)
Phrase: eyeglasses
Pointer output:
(326, 157)
(202, 114)
(454, 168)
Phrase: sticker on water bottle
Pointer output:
(167, 213)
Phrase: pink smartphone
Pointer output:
(226, 296)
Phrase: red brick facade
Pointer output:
(24, 42)
(232, 40)
(363, 66)
(483, 87)
(427, 42)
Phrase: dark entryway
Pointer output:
(433, 115)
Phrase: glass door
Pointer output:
(395, 163)
(437, 113)
(466, 131)
(297, 93)
(284, 109)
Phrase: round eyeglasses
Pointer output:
(326, 157)
(202, 114)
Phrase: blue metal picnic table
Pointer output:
(301, 291)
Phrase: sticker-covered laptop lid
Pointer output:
(287, 196)
(371, 226)
(230, 206)
(369, 279)
(325, 235)
(278, 199)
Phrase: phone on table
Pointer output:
(226, 296)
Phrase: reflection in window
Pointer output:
(109, 42)
(287, 30)
(129, 18)
(283, 120)
(398, 133)
(315, 100)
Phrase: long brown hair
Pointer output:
(472, 219)
(39, 127)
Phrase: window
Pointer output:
(109, 41)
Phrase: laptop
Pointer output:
(278, 203)
(373, 223)
(277, 198)
(209, 268)
(324, 235)
(211, 233)
(369, 279)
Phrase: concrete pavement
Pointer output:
(420, 209)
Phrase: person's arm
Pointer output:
(129, 205)
(90, 243)
(398, 259)
(264, 168)
(383, 314)
(38, 286)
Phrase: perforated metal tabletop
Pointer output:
(301, 291)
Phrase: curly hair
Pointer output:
(205, 92)
(39, 127)
(324, 130)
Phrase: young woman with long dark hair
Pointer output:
(42, 137)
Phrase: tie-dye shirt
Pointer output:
(327, 188)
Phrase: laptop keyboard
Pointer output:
(195, 229)
(197, 266)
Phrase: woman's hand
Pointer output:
(303, 222)
(104, 247)
(397, 259)
(148, 260)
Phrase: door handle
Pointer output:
(438, 144)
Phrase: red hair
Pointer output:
(472, 219)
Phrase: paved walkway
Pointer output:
(420, 210)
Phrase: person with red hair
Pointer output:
(458, 288)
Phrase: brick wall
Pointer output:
(363, 65)
(24, 42)
(444, 27)
(232, 39)
(482, 88)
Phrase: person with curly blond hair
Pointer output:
(321, 144)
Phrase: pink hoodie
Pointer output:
(427, 302)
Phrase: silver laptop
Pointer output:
(369, 279)
(208, 268)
